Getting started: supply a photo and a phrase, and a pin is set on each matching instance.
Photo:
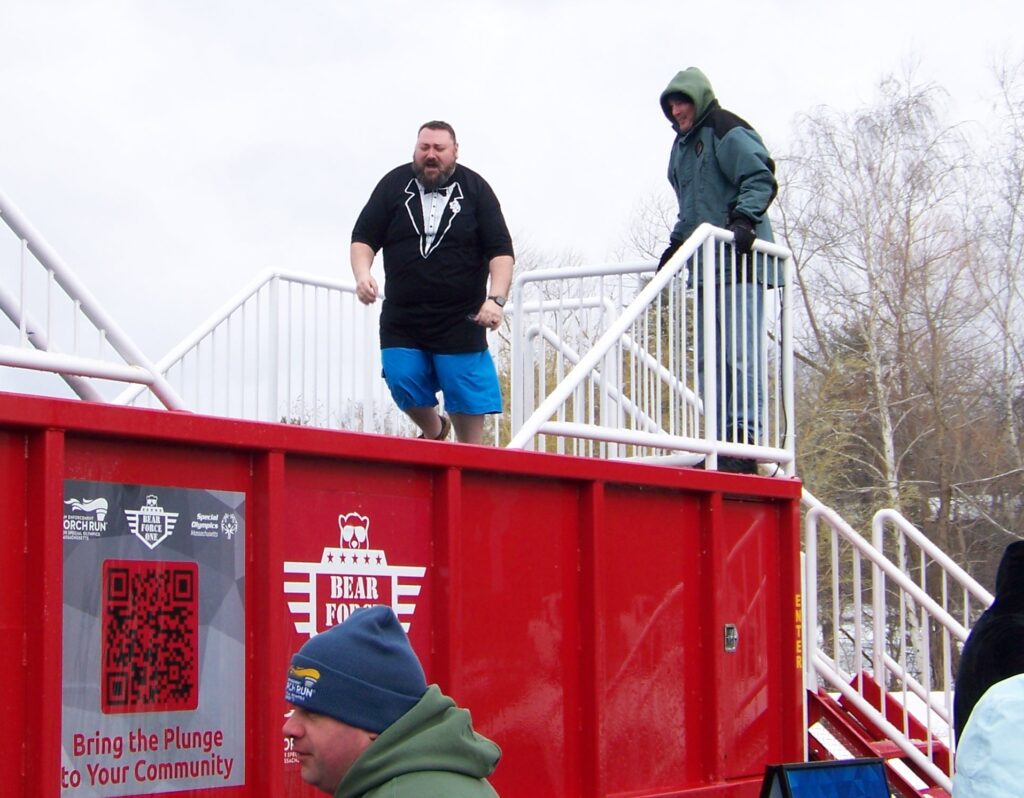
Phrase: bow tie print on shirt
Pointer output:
(451, 209)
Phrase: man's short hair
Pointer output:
(437, 124)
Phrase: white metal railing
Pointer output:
(289, 347)
(604, 361)
(895, 607)
(293, 347)
(921, 636)
(60, 327)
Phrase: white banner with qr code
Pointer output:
(153, 639)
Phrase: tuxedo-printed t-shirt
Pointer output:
(437, 247)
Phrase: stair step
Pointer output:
(859, 734)
(889, 750)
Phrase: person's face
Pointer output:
(326, 747)
(434, 158)
(682, 111)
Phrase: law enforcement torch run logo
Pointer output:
(348, 577)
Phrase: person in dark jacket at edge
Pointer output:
(995, 647)
(365, 723)
(722, 174)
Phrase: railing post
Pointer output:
(788, 389)
(517, 368)
(273, 345)
(23, 250)
(878, 613)
(709, 324)
(810, 595)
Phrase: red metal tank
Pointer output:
(619, 629)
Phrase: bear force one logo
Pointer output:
(301, 684)
(348, 577)
(151, 523)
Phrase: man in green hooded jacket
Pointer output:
(364, 723)
(722, 174)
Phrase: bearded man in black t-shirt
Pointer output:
(444, 237)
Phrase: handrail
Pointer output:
(910, 751)
(589, 361)
(964, 579)
(917, 620)
(660, 440)
(289, 347)
(218, 316)
(573, 356)
(874, 556)
(35, 333)
(915, 687)
(615, 336)
(92, 310)
(518, 308)
(669, 379)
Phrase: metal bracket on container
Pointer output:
(732, 637)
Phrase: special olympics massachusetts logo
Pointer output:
(348, 577)
(229, 525)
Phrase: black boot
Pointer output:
(737, 465)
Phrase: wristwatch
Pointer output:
(498, 300)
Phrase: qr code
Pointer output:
(150, 636)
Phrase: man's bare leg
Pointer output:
(428, 420)
(468, 429)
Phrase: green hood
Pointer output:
(695, 85)
(435, 741)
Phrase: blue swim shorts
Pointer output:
(469, 381)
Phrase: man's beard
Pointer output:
(432, 183)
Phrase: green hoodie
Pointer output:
(695, 85)
(719, 168)
(429, 752)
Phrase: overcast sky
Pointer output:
(172, 150)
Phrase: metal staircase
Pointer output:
(841, 720)
(879, 658)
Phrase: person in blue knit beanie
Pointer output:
(365, 723)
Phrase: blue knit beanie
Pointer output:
(362, 672)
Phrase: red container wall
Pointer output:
(577, 608)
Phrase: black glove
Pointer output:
(668, 253)
(743, 232)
